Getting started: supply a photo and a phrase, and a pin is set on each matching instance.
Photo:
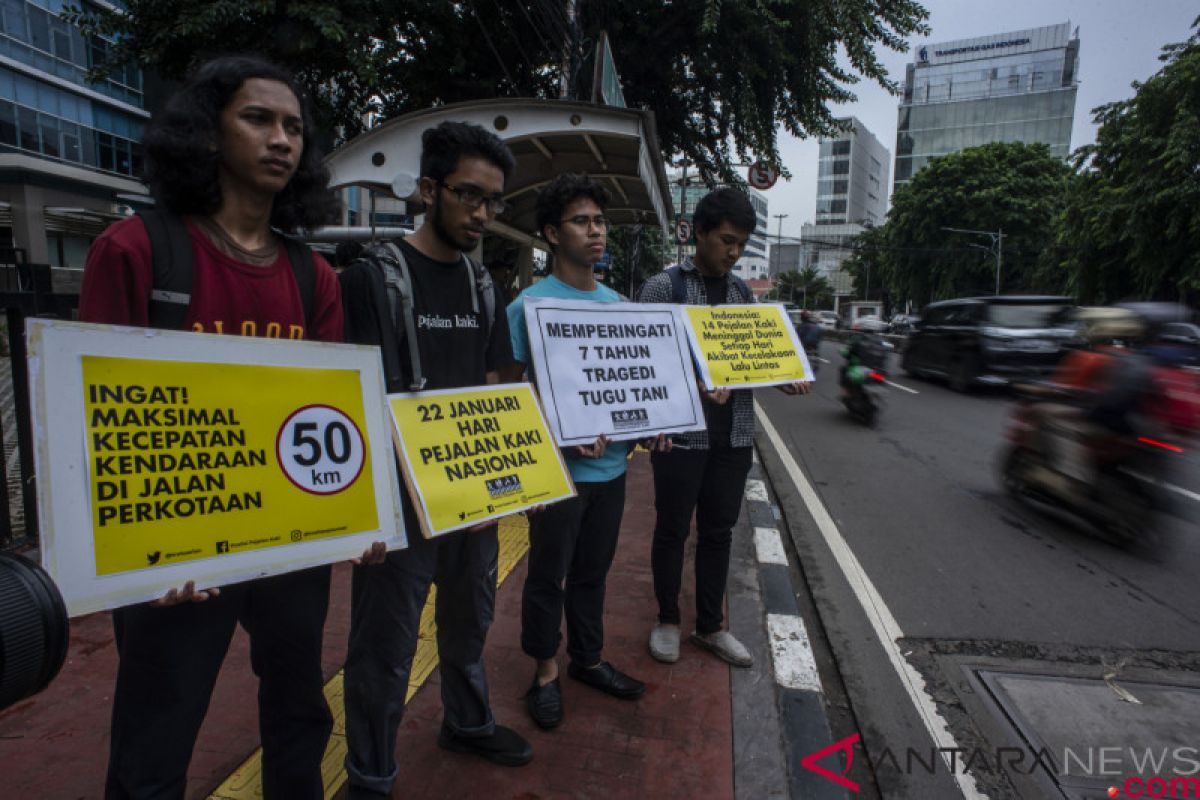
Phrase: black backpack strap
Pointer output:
(305, 268)
(398, 284)
(678, 288)
(743, 289)
(171, 262)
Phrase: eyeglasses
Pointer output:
(473, 198)
(583, 221)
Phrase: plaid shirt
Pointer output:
(658, 290)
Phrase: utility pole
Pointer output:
(778, 240)
(683, 187)
(568, 65)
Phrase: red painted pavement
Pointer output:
(674, 742)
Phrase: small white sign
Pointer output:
(623, 370)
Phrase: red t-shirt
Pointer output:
(228, 296)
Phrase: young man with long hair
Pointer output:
(572, 543)
(705, 472)
(463, 171)
(230, 159)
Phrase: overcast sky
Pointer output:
(1119, 42)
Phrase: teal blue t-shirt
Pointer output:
(587, 470)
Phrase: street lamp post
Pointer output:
(997, 248)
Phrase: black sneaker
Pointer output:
(545, 704)
(608, 678)
(505, 746)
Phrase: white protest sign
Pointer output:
(619, 369)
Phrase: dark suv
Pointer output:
(988, 339)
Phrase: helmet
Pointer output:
(805, 315)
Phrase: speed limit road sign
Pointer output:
(762, 176)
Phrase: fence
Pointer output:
(25, 290)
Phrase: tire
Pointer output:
(1013, 464)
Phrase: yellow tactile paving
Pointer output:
(246, 781)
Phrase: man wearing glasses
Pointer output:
(572, 543)
(456, 343)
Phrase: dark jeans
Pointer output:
(710, 483)
(385, 616)
(169, 660)
(571, 543)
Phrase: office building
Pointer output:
(70, 152)
(1008, 87)
(754, 262)
(852, 177)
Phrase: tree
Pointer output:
(1131, 227)
(635, 253)
(1013, 187)
(721, 77)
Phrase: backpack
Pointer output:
(395, 304)
(173, 261)
(679, 290)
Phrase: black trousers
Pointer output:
(709, 483)
(169, 660)
(571, 547)
(385, 617)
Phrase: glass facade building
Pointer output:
(852, 177)
(70, 148)
(1009, 87)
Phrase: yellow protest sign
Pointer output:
(166, 456)
(194, 460)
(746, 345)
(470, 455)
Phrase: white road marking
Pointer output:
(768, 545)
(824, 360)
(903, 388)
(756, 490)
(1170, 487)
(792, 654)
(887, 630)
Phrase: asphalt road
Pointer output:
(957, 563)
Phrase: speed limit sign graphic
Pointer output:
(683, 231)
(320, 449)
(762, 176)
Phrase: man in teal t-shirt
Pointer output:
(572, 543)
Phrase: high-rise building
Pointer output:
(1008, 87)
(70, 152)
(753, 263)
(852, 177)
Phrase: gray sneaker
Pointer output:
(664, 643)
(724, 646)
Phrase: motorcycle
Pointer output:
(864, 374)
(1111, 481)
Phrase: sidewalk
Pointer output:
(677, 741)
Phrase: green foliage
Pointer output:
(721, 77)
(1014, 187)
(1131, 228)
(806, 288)
(635, 253)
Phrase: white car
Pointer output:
(871, 324)
(827, 320)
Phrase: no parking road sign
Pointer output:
(683, 231)
(762, 176)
